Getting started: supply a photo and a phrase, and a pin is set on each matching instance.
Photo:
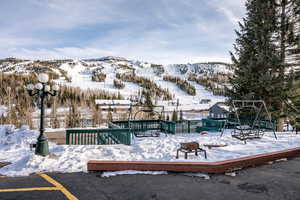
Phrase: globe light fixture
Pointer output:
(30, 87)
(43, 78)
(39, 86)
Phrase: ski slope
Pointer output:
(82, 77)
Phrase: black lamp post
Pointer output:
(42, 91)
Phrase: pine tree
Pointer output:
(181, 115)
(174, 116)
(257, 63)
(288, 36)
(290, 31)
(119, 96)
(168, 118)
(163, 115)
(148, 99)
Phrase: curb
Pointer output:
(207, 167)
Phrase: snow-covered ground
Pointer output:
(14, 147)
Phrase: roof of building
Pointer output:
(222, 105)
(112, 102)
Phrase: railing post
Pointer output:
(67, 137)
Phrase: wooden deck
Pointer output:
(207, 167)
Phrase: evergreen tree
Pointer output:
(162, 117)
(168, 118)
(181, 115)
(289, 24)
(174, 116)
(148, 99)
(119, 96)
(289, 37)
(257, 63)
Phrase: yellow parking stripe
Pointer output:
(59, 186)
(30, 189)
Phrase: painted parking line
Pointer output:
(30, 189)
(59, 186)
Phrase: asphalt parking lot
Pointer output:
(277, 181)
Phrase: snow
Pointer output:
(81, 77)
(128, 172)
(202, 175)
(223, 106)
(14, 143)
(80, 72)
(3, 111)
(14, 148)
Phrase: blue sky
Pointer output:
(159, 31)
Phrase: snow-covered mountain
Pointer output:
(79, 73)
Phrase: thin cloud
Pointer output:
(58, 53)
(162, 31)
(230, 15)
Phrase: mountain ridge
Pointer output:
(130, 78)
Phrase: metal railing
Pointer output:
(98, 136)
(168, 127)
(211, 125)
